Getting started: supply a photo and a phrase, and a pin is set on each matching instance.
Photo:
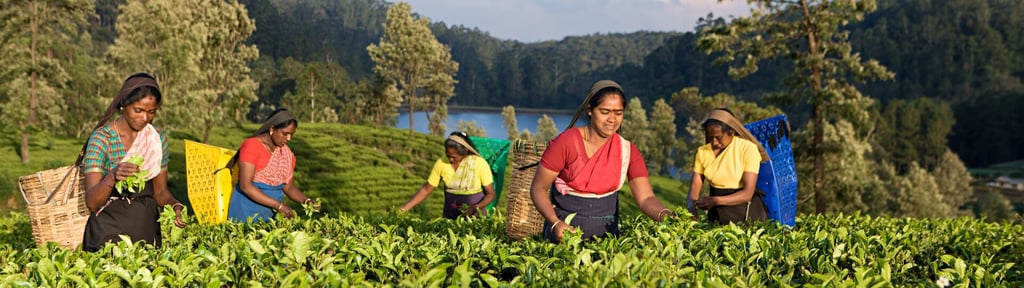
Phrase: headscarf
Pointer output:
(741, 131)
(133, 82)
(463, 142)
(282, 116)
(596, 87)
(279, 117)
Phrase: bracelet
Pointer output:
(279, 206)
(307, 201)
(662, 212)
(555, 225)
(178, 204)
(104, 180)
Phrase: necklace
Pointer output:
(124, 138)
(270, 147)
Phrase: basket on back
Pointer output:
(209, 188)
(495, 151)
(523, 219)
(55, 201)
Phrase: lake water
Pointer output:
(490, 121)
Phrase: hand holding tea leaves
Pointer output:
(135, 182)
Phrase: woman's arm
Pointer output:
(163, 196)
(488, 198)
(696, 184)
(420, 195)
(98, 189)
(246, 176)
(740, 197)
(643, 193)
(540, 190)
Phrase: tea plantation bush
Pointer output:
(406, 250)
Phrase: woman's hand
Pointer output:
(559, 229)
(123, 170)
(178, 220)
(706, 203)
(311, 203)
(285, 211)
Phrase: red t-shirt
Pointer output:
(566, 155)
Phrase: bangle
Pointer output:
(307, 201)
(178, 204)
(555, 225)
(662, 212)
(279, 206)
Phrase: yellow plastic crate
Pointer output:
(209, 193)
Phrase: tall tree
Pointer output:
(508, 116)
(32, 76)
(197, 51)
(471, 128)
(411, 57)
(810, 33)
(663, 137)
(635, 126)
(546, 129)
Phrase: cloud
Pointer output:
(538, 20)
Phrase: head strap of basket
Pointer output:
(463, 139)
(594, 89)
(135, 81)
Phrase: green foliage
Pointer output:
(317, 85)
(197, 52)
(31, 75)
(384, 249)
(663, 137)
(409, 56)
(135, 182)
(508, 116)
(546, 129)
(914, 131)
(812, 35)
(471, 128)
(635, 127)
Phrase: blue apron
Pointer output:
(242, 207)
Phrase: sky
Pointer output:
(540, 20)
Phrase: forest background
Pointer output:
(952, 102)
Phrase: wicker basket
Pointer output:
(55, 200)
(523, 219)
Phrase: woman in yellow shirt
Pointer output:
(729, 163)
(467, 179)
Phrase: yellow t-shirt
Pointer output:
(726, 170)
(473, 174)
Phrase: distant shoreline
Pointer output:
(460, 108)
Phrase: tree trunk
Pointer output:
(817, 105)
(32, 101)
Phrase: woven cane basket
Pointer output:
(523, 219)
(56, 205)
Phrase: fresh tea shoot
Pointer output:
(135, 182)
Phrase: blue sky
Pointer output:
(539, 20)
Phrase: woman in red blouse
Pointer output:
(588, 166)
(265, 166)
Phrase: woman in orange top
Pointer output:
(265, 166)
